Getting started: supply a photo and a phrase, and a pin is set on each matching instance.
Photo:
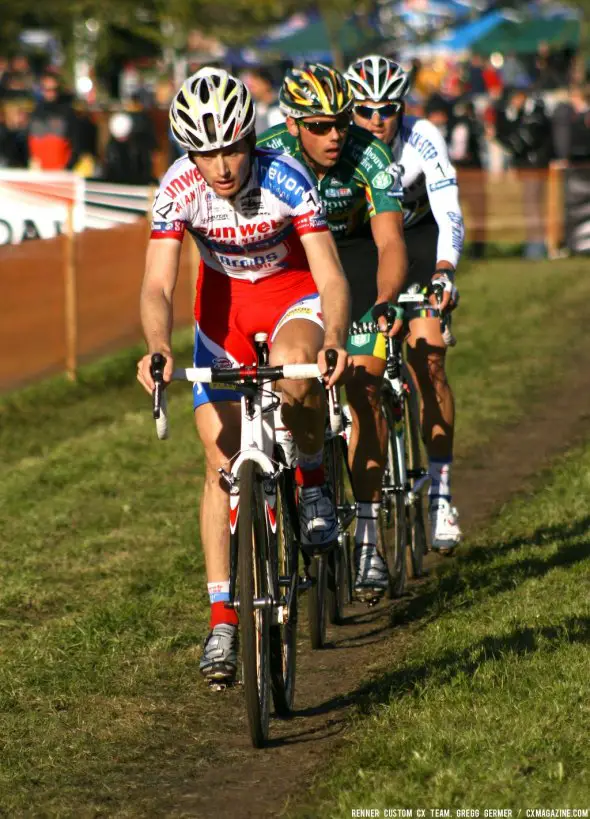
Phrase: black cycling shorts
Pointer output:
(421, 244)
(359, 258)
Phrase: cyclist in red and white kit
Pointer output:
(268, 264)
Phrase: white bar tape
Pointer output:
(162, 421)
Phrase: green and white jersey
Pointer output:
(363, 183)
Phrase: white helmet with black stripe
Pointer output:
(211, 110)
(377, 79)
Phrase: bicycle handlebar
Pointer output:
(246, 375)
(232, 375)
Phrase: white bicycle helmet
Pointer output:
(212, 110)
(377, 79)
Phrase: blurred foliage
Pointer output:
(234, 22)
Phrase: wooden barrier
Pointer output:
(71, 299)
(76, 297)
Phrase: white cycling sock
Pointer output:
(440, 479)
(366, 522)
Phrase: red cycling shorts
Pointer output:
(230, 311)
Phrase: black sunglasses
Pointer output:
(323, 127)
(384, 111)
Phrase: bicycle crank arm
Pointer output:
(413, 494)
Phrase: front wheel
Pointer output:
(417, 540)
(283, 634)
(317, 608)
(338, 570)
(392, 531)
(255, 605)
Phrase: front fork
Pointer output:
(274, 599)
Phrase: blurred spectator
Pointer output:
(20, 65)
(87, 140)
(523, 127)
(53, 132)
(514, 73)
(547, 75)
(15, 89)
(571, 126)
(465, 137)
(438, 112)
(259, 82)
(126, 161)
(16, 120)
(452, 84)
(144, 132)
(3, 73)
(496, 154)
(474, 78)
(492, 78)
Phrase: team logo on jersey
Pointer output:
(251, 202)
(382, 181)
(360, 340)
(337, 193)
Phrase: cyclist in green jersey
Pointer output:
(361, 195)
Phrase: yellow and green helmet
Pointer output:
(314, 89)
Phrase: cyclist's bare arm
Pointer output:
(388, 234)
(332, 286)
(161, 273)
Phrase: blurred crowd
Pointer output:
(495, 113)
(44, 126)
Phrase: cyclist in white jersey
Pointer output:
(434, 234)
(268, 264)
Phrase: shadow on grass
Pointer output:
(458, 586)
(451, 664)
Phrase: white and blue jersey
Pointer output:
(429, 181)
(253, 235)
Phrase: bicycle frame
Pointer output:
(257, 440)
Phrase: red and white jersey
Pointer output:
(254, 234)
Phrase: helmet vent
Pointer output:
(230, 108)
(204, 93)
(184, 117)
(209, 125)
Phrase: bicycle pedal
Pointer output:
(305, 584)
(220, 685)
(369, 596)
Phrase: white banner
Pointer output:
(34, 204)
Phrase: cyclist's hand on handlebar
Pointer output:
(332, 370)
(144, 374)
(389, 317)
(446, 295)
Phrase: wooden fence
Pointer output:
(73, 298)
(76, 297)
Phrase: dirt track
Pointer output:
(260, 783)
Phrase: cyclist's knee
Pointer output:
(428, 362)
(364, 395)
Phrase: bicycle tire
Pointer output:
(253, 583)
(417, 538)
(283, 636)
(392, 522)
(317, 609)
(338, 570)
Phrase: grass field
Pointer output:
(103, 606)
(489, 706)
